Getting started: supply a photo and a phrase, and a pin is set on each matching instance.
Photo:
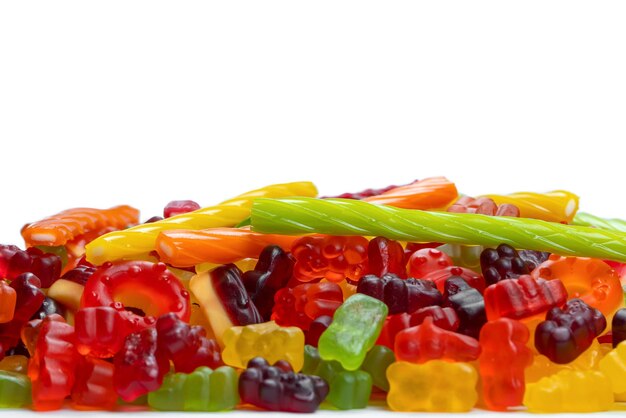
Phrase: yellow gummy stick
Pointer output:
(139, 240)
(555, 206)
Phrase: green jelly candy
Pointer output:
(202, 390)
(467, 256)
(328, 369)
(350, 389)
(354, 330)
(169, 397)
(311, 360)
(376, 363)
(212, 390)
(15, 390)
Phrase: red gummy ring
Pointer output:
(147, 286)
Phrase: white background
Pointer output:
(142, 102)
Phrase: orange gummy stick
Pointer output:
(430, 193)
(186, 248)
(73, 223)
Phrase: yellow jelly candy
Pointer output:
(543, 367)
(613, 365)
(434, 386)
(267, 340)
(570, 391)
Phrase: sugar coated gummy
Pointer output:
(414, 298)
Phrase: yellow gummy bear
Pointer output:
(434, 386)
(570, 391)
(267, 340)
(543, 367)
(613, 365)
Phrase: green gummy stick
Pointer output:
(353, 217)
(587, 219)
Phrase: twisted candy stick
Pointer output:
(353, 217)
(587, 219)
(70, 224)
(140, 240)
(555, 206)
(430, 193)
(186, 248)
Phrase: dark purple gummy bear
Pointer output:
(501, 264)
(14, 261)
(468, 304)
(618, 327)
(186, 346)
(49, 307)
(385, 256)
(28, 301)
(567, 333)
(533, 258)
(271, 273)
(317, 327)
(79, 274)
(274, 389)
(228, 285)
(139, 365)
(400, 295)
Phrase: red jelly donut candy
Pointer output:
(141, 285)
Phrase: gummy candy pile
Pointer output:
(413, 296)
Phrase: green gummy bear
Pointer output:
(202, 390)
(311, 360)
(350, 389)
(376, 363)
(15, 390)
(354, 330)
(169, 397)
(208, 390)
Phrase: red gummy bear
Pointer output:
(139, 366)
(504, 356)
(101, 330)
(94, 385)
(440, 276)
(288, 309)
(444, 318)
(523, 297)
(52, 367)
(331, 257)
(322, 299)
(427, 260)
(429, 342)
(300, 305)
(386, 256)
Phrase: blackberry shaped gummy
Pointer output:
(278, 388)
(502, 263)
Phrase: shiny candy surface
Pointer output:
(435, 386)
